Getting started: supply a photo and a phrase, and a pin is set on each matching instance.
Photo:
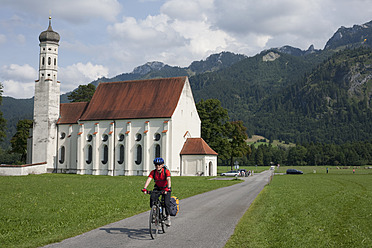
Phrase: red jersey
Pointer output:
(160, 178)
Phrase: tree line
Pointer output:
(348, 154)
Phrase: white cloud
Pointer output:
(80, 74)
(18, 80)
(18, 72)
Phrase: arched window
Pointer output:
(121, 154)
(62, 155)
(157, 151)
(139, 154)
(105, 155)
(63, 135)
(55, 61)
(157, 137)
(89, 154)
(49, 60)
(42, 61)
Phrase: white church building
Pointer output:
(121, 130)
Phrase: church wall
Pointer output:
(185, 124)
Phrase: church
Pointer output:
(121, 130)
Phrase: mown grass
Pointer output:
(310, 210)
(39, 209)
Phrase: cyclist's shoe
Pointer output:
(168, 221)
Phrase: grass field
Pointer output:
(39, 209)
(310, 210)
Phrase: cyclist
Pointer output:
(162, 180)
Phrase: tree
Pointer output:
(237, 140)
(83, 93)
(214, 124)
(2, 120)
(19, 140)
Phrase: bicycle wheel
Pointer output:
(163, 225)
(154, 223)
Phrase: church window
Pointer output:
(55, 61)
(139, 154)
(89, 138)
(62, 155)
(105, 137)
(63, 135)
(157, 151)
(138, 137)
(42, 60)
(121, 137)
(121, 154)
(157, 137)
(105, 154)
(49, 60)
(89, 154)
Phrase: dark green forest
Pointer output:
(297, 99)
(347, 154)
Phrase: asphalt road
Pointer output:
(205, 220)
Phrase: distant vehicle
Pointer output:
(231, 173)
(242, 172)
(294, 171)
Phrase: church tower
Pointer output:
(46, 102)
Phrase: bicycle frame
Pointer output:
(157, 214)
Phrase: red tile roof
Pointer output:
(70, 113)
(151, 98)
(197, 146)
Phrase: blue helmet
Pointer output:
(158, 161)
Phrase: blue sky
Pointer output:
(109, 37)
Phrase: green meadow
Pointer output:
(315, 209)
(36, 210)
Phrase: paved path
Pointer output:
(205, 220)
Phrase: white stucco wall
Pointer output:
(185, 124)
(193, 165)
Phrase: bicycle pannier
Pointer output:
(174, 206)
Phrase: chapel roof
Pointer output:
(197, 146)
(138, 99)
(70, 113)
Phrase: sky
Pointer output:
(109, 37)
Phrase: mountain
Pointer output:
(358, 35)
(296, 51)
(332, 104)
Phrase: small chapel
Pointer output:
(121, 130)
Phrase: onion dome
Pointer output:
(49, 34)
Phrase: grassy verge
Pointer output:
(39, 209)
(310, 210)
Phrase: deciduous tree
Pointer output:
(19, 140)
(83, 93)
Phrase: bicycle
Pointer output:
(157, 214)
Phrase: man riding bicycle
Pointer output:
(162, 180)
